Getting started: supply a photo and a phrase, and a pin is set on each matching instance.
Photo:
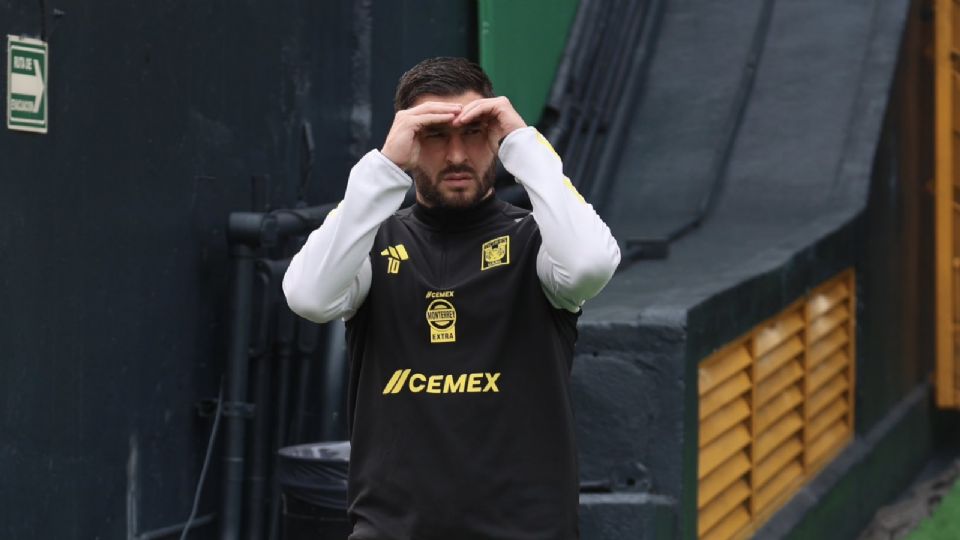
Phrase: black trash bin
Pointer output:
(313, 481)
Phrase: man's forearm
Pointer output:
(330, 276)
(579, 254)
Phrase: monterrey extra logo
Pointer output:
(442, 318)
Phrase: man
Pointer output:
(461, 318)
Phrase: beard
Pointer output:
(429, 189)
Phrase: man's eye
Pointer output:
(434, 134)
(474, 130)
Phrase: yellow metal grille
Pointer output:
(947, 204)
(775, 406)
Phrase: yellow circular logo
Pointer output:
(441, 315)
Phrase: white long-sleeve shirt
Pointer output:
(330, 276)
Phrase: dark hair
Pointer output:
(441, 76)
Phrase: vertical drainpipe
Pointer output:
(262, 360)
(248, 234)
(335, 365)
(286, 331)
(236, 391)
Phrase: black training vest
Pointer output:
(459, 398)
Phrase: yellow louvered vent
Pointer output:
(775, 406)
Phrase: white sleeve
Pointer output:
(578, 255)
(330, 276)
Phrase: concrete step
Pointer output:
(627, 516)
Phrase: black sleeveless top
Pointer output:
(459, 399)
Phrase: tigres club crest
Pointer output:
(496, 252)
(442, 319)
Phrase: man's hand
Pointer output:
(501, 118)
(402, 146)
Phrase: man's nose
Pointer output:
(456, 152)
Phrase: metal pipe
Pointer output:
(260, 440)
(236, 393)
(633, 39)
(249, 232)
(308, 341)
(267, 228)
(587, 40)
(256, 481)
(335, 364)
(574, 151)
(634, 19)
(286, 329)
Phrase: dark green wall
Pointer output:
(895, 253)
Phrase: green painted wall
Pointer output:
(521, 43)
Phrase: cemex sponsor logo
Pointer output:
(441, 384)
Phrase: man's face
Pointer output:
(455, 167)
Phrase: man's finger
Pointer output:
(435, 107)
(485, 104)
(425, 119)
(476, 109)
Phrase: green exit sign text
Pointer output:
(27, 62)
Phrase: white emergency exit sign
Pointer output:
(27, 62)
